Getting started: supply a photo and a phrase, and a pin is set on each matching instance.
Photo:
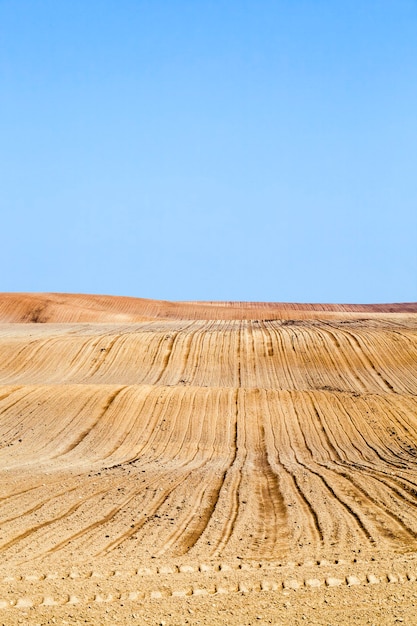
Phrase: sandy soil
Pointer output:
(207, 463)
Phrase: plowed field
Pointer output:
(206, 462)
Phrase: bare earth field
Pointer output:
(207, 463)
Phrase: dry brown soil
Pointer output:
(207, 463)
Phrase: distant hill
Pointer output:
(73, 308)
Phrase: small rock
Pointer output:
(372, 579)
(291, 584)
(333, 582)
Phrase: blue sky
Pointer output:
(210, 149)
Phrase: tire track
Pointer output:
(233, 476)
(222, 584)
(380, 507)
(255, 439)
(80, 438)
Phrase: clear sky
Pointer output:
(210, 149)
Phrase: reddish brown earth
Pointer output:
(73, 308)
(207, 463)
